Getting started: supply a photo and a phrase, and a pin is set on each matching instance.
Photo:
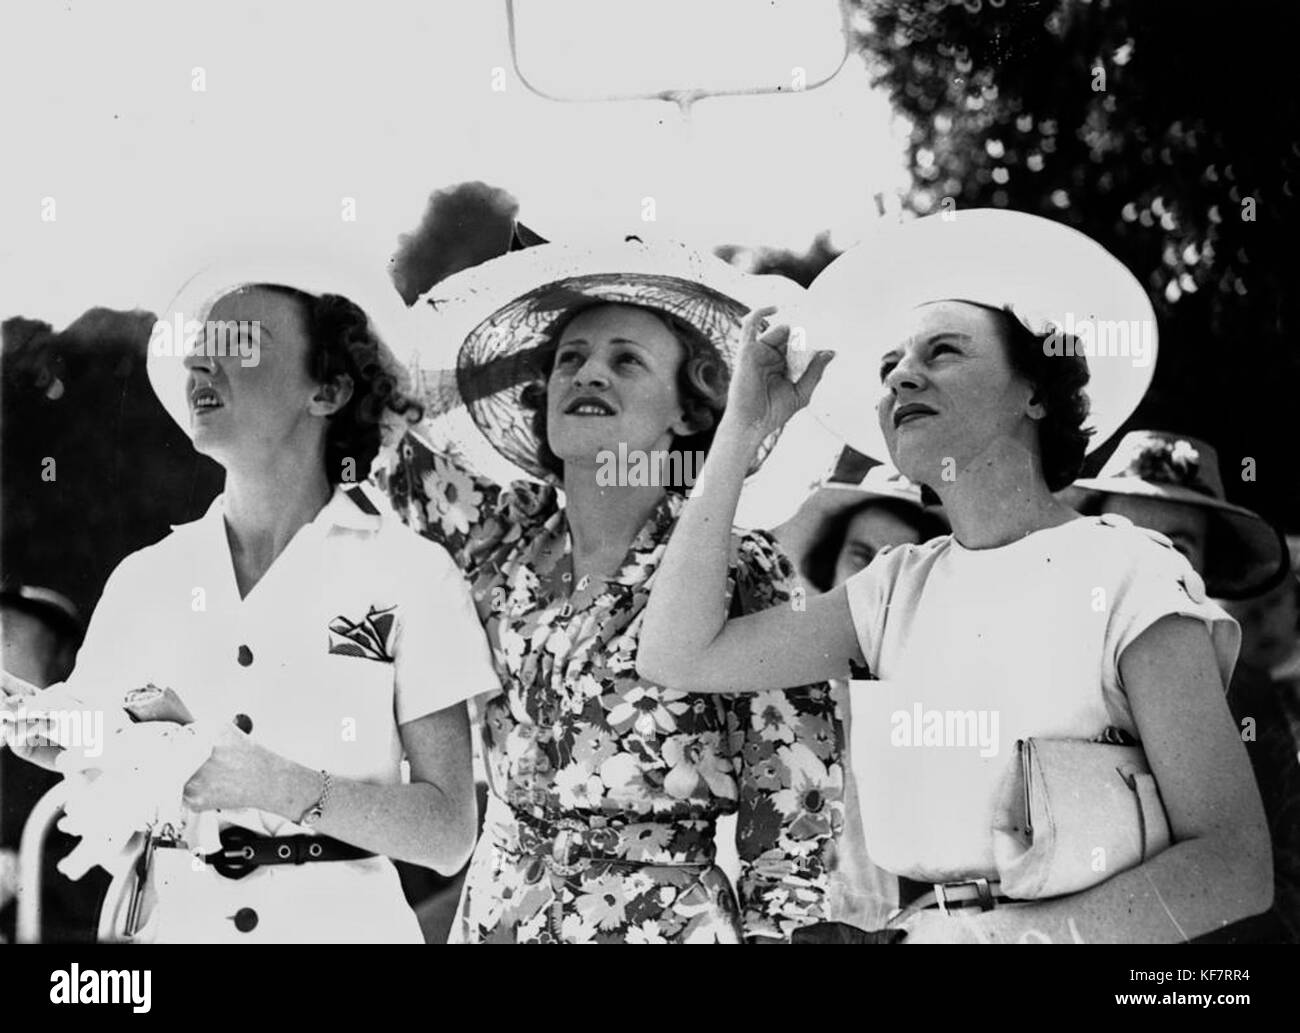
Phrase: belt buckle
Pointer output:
(560, 859)
(235, 858)
(983, 890)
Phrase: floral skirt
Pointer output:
(515, 895)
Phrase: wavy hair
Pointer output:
(1060, 384)
(342, 340)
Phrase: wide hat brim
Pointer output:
(1245, 555)
(1047, 272)
(489, 324)
(302, 266)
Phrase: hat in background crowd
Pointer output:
(853, 513)
(1171, 483)
(40, 630)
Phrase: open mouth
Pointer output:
(589, 406)
(911, 412)
(204, 399)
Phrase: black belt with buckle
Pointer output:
(242, 851)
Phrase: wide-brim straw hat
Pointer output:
(1245, 554)
(485, 331)
(1047, 274)
(297, 261)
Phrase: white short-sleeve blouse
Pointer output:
(975, 649)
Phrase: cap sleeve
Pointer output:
(1157, 581)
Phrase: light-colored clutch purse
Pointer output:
(1072, 813)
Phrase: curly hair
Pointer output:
(1060, 382)
(341, 340)
(702, 381)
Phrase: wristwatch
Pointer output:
(317, 810)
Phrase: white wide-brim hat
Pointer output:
(483, 330)
(1046, 273)
(299, 262)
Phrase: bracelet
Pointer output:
(315, 812)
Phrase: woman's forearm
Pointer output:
(418, 823)
(1193, 888)
(687, 607)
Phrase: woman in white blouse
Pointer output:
(321, 640)
(1039, 622)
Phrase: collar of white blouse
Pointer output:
(343, 512)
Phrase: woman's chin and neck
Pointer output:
(271, 493)
(602, 512)
(996, 495)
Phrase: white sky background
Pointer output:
(384, 102)
(306, 104)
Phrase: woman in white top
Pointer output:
(323, 639)
(1028, 620)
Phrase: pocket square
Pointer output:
(369, 638)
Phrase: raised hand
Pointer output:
(763, 396)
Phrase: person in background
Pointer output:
(1171, 484)
(40, 630)
(838, 531)
(1267, 688)
(849, 519)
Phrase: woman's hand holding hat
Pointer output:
(763, 394)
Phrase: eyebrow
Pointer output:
(612, 340)
(934, 338)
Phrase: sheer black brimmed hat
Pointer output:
(486, 331)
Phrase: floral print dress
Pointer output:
(605, 789)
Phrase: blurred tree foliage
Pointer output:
(1170, 133)
(93, 467)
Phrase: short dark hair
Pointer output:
(819, 567)
(342, 340)
(702, 381)
(1059, 378)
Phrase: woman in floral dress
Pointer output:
(605, 788)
